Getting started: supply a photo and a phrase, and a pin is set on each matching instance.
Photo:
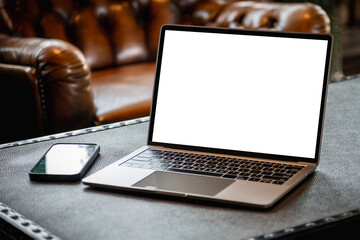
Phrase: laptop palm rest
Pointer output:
(184, 183)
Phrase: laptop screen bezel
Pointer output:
(326, 37)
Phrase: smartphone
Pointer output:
(65, 162)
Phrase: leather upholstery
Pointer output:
(59, 78)
(271, 16)
(111, 35)
(127, 89)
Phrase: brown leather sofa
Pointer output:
(69, 64)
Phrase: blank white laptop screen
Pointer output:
(238, 92)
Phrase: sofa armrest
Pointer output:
(61, 81)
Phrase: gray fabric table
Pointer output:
(74, 211)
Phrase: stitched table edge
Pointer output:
(309, 226)
(76, 132)
(27, 227)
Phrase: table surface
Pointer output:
(75, 211)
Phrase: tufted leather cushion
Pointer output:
(124, 92)
(274, 16)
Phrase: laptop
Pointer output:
(237, 117)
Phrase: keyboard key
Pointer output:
(233, 169)
(283, 175)
(177, 162)
(234, 165)
(201, 161)
(187, 167)
(210, 166)
(242, 178)
(188, 163)
(221, 167)
(267, 165)
(266, 181)
(244, 174)
(199, 169)
(230, 176)
(254, 179)
(256, 168)
(223, 164)
(275, 178)
(256, 175)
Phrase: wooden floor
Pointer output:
(351, 50)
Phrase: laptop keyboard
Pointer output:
(224, 167)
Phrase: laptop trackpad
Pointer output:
(184, 183)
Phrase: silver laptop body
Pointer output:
(237, 117)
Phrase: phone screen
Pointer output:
(65, 159)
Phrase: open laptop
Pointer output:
(237, 116)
